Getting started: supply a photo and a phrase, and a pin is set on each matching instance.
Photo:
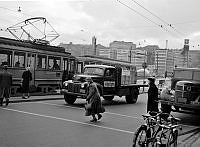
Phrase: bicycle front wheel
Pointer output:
(140, 137)
(172, 140)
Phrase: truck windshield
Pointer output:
(94, 71)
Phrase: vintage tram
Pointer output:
(46, 62)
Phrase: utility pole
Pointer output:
(94, 45)
(130, 53)
(157, 62)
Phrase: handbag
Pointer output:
(88, 106)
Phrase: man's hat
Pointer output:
(151, 79)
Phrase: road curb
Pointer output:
(33, 100)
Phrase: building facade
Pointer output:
(121, 50)
(159, 61)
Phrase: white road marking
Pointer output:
(117, 114)
(69, 120)
(84, 109)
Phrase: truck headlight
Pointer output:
(188, 88)
(83, 84)
(65, 83)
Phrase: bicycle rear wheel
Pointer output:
(140, 137)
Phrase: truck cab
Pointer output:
(110, 80)
(186, 84)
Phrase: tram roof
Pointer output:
(97, 59)
(99, 66)
(30, 44)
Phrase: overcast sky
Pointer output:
(144, 22)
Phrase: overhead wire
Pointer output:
(148, 19)
(162, 20)
(165, 22)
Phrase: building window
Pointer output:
(19, 59)
(54, 63)
(41, 61)
(5, 58)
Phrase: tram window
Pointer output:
(41, 61)
(31, 60)
(54, 63)
(5, 58)
(80, 67)
(65, 64)
(19, 59)
(71, 65)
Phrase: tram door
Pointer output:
(31, 62)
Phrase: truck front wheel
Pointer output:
(108, 98)
(70, 99)
(132, 97)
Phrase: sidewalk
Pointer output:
(36, 98)
(189, 138)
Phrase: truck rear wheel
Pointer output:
(132, 98)
(166, 108)
(70, 99)
(108, 98)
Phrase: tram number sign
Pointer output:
(144, 65)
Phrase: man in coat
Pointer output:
(5, 84)
(152, 103)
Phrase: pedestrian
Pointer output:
(26, 78)
(166, 94)
(5, 84)
(94, 100)
(152, 103)
(70, 75)
(64, 76)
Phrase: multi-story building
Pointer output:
(103, 51)
(180, 59)
(121, 50)
(139, 56)
(78, 49)
(158, 60)
(164, 62)
(194, 58)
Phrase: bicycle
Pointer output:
(144, 134)
(168, 135)
(147, 134)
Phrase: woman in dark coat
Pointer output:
(152, 103)
(27, 77)
(93, 98)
